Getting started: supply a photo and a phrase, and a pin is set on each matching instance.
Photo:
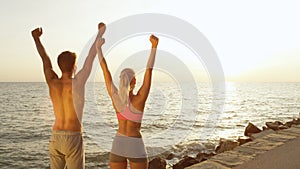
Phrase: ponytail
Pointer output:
(124, 87)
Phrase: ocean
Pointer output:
(172, 122)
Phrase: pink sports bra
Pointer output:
(128, 115)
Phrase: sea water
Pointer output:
(173, 122)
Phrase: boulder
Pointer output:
(265, 128)
(170, 156)
(202, 156)
(243, 139)
(226, 145)
(288, 124)
(185, 162)
(282, 127)
(157, 163)
(296, 121)
(274, 125)
(251, 128)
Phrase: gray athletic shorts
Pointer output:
(130, 148)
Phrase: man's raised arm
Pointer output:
(48, 71)
(85, 72)
(111, 88)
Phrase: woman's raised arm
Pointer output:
(145, 88)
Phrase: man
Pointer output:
(67, 96)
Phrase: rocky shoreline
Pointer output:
(251, 133)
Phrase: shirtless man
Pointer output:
(67, 96)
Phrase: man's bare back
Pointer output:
(66, 117)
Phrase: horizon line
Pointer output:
(204, 81)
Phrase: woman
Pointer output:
(129, 107)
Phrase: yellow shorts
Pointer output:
(66, 149)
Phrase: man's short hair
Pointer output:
(66, 61)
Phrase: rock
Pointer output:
(274, 125)
(243, 139)
(262, 134)
(170, 156)
(208, 155)
(226, 145)
(185, 162)
(251, 128)
(282, 127)
(157, 163)
(278, 122)
(200, 156)
(288, 124)
(296, 121)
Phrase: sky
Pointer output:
(254, 40)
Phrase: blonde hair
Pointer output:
(126, 76)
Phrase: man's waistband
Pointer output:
(66, 132)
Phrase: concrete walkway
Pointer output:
(280, 150)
